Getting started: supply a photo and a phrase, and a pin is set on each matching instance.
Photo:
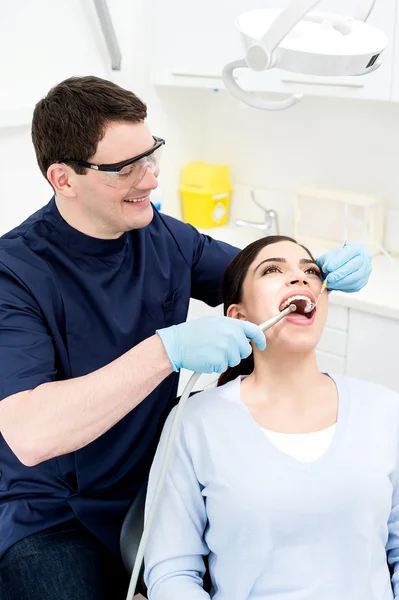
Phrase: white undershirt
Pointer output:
(305, 447)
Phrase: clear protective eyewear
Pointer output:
(127, 173)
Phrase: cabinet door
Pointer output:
(42, 43)
(330, 363)
(372, 348)
(194, 42)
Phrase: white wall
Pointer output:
(24, 80)
(352, 144)
(338, 143)
(323, 141)
(22, 186)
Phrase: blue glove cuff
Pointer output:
(167, 336)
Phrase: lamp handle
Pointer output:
(249, 97)
(363, 9)
(285, 22)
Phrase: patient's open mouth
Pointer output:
(301, 302)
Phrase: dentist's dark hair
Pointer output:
(73, 117)
(232, 292)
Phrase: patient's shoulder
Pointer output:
(369, 388)
(214, 401)
(367, 393)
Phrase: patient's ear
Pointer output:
(235, 311)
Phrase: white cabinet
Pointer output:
(372, 348)
(195, 41)
(331, 350)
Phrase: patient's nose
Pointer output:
(303, 280)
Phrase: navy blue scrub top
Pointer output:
(70, 304)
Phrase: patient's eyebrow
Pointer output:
(279, 259)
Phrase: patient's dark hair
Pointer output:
(232, 292)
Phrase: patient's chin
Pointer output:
(299, 343)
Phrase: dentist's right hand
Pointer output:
(210, 344)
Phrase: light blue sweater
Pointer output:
(276, 528)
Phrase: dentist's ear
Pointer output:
(235, 312)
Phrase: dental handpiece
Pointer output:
(270, 322)
(167, 457)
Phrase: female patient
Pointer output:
(287, 478)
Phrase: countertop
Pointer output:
(379, 297)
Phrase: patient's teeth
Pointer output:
(291, 299)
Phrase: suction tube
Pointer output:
(168, 455)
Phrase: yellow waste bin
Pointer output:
(205, 194)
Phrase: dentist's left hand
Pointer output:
(348, 268)
(210, 344)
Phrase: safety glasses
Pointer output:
(127, 173)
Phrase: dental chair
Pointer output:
(132, 529)
(131, 532)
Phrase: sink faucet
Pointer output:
(270, 224)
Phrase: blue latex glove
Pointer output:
(210, 344)
(348, 269)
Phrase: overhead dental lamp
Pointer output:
(297, 40)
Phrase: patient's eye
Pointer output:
(272, 269)
(314, 271)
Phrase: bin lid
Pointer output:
(204, 176)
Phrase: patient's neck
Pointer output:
(285, 376)
(287, 393)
